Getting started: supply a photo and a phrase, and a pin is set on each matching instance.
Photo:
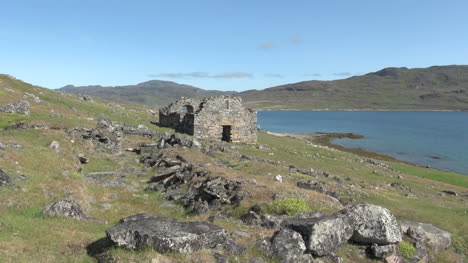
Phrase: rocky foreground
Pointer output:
(309, 237)
(81, 186)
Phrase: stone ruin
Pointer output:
(222, 118)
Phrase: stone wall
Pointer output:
(206, 119)
(216, 112)
(179, 115)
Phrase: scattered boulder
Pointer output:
(35, 98)
(372, 224)
(5, 179)
(278, 178)
(289, 246)
(401, 187)
(316, 186)
(83, 159)
(110, 179)
(87, 98)
(436, 238)
(166, 234)
(383, 251)
(394, 259)
(106, 136)
(197, 196)
(54, 146)
(176, 140)
(18, 107)
(65, 208)
(324, 235)
(449, 192)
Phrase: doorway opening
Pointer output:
(226, 133)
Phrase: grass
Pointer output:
(27, 236)
(441, 176)
(290, 207)
(407, 249)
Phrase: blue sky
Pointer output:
(227, 45)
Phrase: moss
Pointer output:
(290, 207)
(407, 249)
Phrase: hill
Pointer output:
(72, 167)
(433, 88)
(152, 93)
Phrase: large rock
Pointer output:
(435, 237)
(383, 251)
(372, 224)
(289, 246)
(5, 179)
(18, 107)
(323, 235)
(65, 208)
(166, 234)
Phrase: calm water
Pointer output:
(410, 136)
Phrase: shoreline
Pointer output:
(367, 110)
(325, 139)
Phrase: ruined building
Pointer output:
(221, 118)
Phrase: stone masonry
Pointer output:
(221, 118)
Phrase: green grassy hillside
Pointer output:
(151, 93)
(43, 176)
(434, 88)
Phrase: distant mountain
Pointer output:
(433, 88)
(152, 93)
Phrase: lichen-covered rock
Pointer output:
(166, 234)
(54, 146)
(18, 107)
(289, 246)
(110, 179)
(436, 238)
(372, 224)
(65, 208)
(383, 251)
(323, 235)
(5, 179)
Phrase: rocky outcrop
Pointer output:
(318, 187)
(166, 234)
(18, 107)
(110, 179)
(65, 208)
(5, 179)
(177, 183)
(436, 238)
(289, 247)
(106, 135)
(322, 236)
(372, 224)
